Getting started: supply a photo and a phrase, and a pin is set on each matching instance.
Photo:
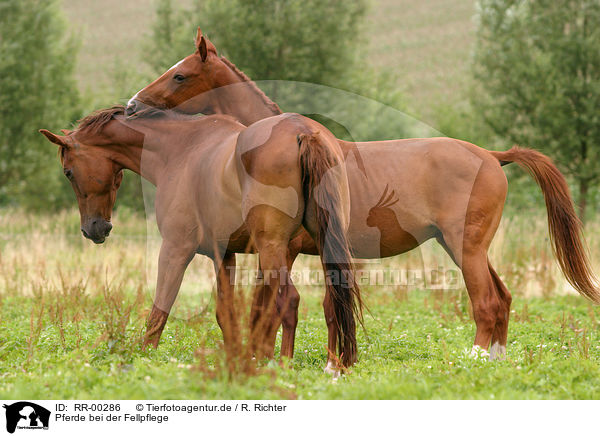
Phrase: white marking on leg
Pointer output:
(477, 352)
(332, 369)
(497, 351)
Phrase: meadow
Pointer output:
(72, 316)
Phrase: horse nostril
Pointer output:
(84, 233)
(108, 227)
(130, 110)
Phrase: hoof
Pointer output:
(286, 363)
(149, 344)
(497, 351)
(332, 369)
(479, 353)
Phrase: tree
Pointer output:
(538, 67)
(283, 41)
(171, 38)
(303, 40)
(37, 89)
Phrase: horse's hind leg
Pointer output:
(469, 250)
(332, 330)
(288, 301)
(285, 312)
(226, 311)
(483, 295)
(500, 335)
(468, 240)
(271, 231)
(265, 318)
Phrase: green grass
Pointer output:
(417, 348)
(72, 315)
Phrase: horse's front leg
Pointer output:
(172, 262)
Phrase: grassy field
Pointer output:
(72, 315)
(425, 44)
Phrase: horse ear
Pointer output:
(198, 37)
(58, 140)
(118, 179)
(204, 45)
(202, 49)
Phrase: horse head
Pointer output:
(185, 85)
(95, 179)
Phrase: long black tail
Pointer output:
(319, 161)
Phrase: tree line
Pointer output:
(535, 79)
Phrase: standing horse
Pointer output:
(221, 187)
(448, 189)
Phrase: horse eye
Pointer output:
(68, 173)
(178, 78)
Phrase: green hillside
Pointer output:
(427, 44)
(111, 32)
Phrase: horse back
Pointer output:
(268, 155)
(427, 182)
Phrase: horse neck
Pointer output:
(162, 145)
(149, 147)
(135, 149)
(239, 96)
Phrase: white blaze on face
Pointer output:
(136, 94)
(177, 64)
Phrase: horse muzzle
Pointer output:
(96, 229)
(132, 107)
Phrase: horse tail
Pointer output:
(319, 164)
(565, 227)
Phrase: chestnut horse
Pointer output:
(221, 187)
(448, 189)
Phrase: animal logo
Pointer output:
(392, 236)
(381, 212)
(26, 415)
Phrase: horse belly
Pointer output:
(381, 245)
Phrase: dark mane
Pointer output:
(270, 103)
(153, 112)
(98, 119)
